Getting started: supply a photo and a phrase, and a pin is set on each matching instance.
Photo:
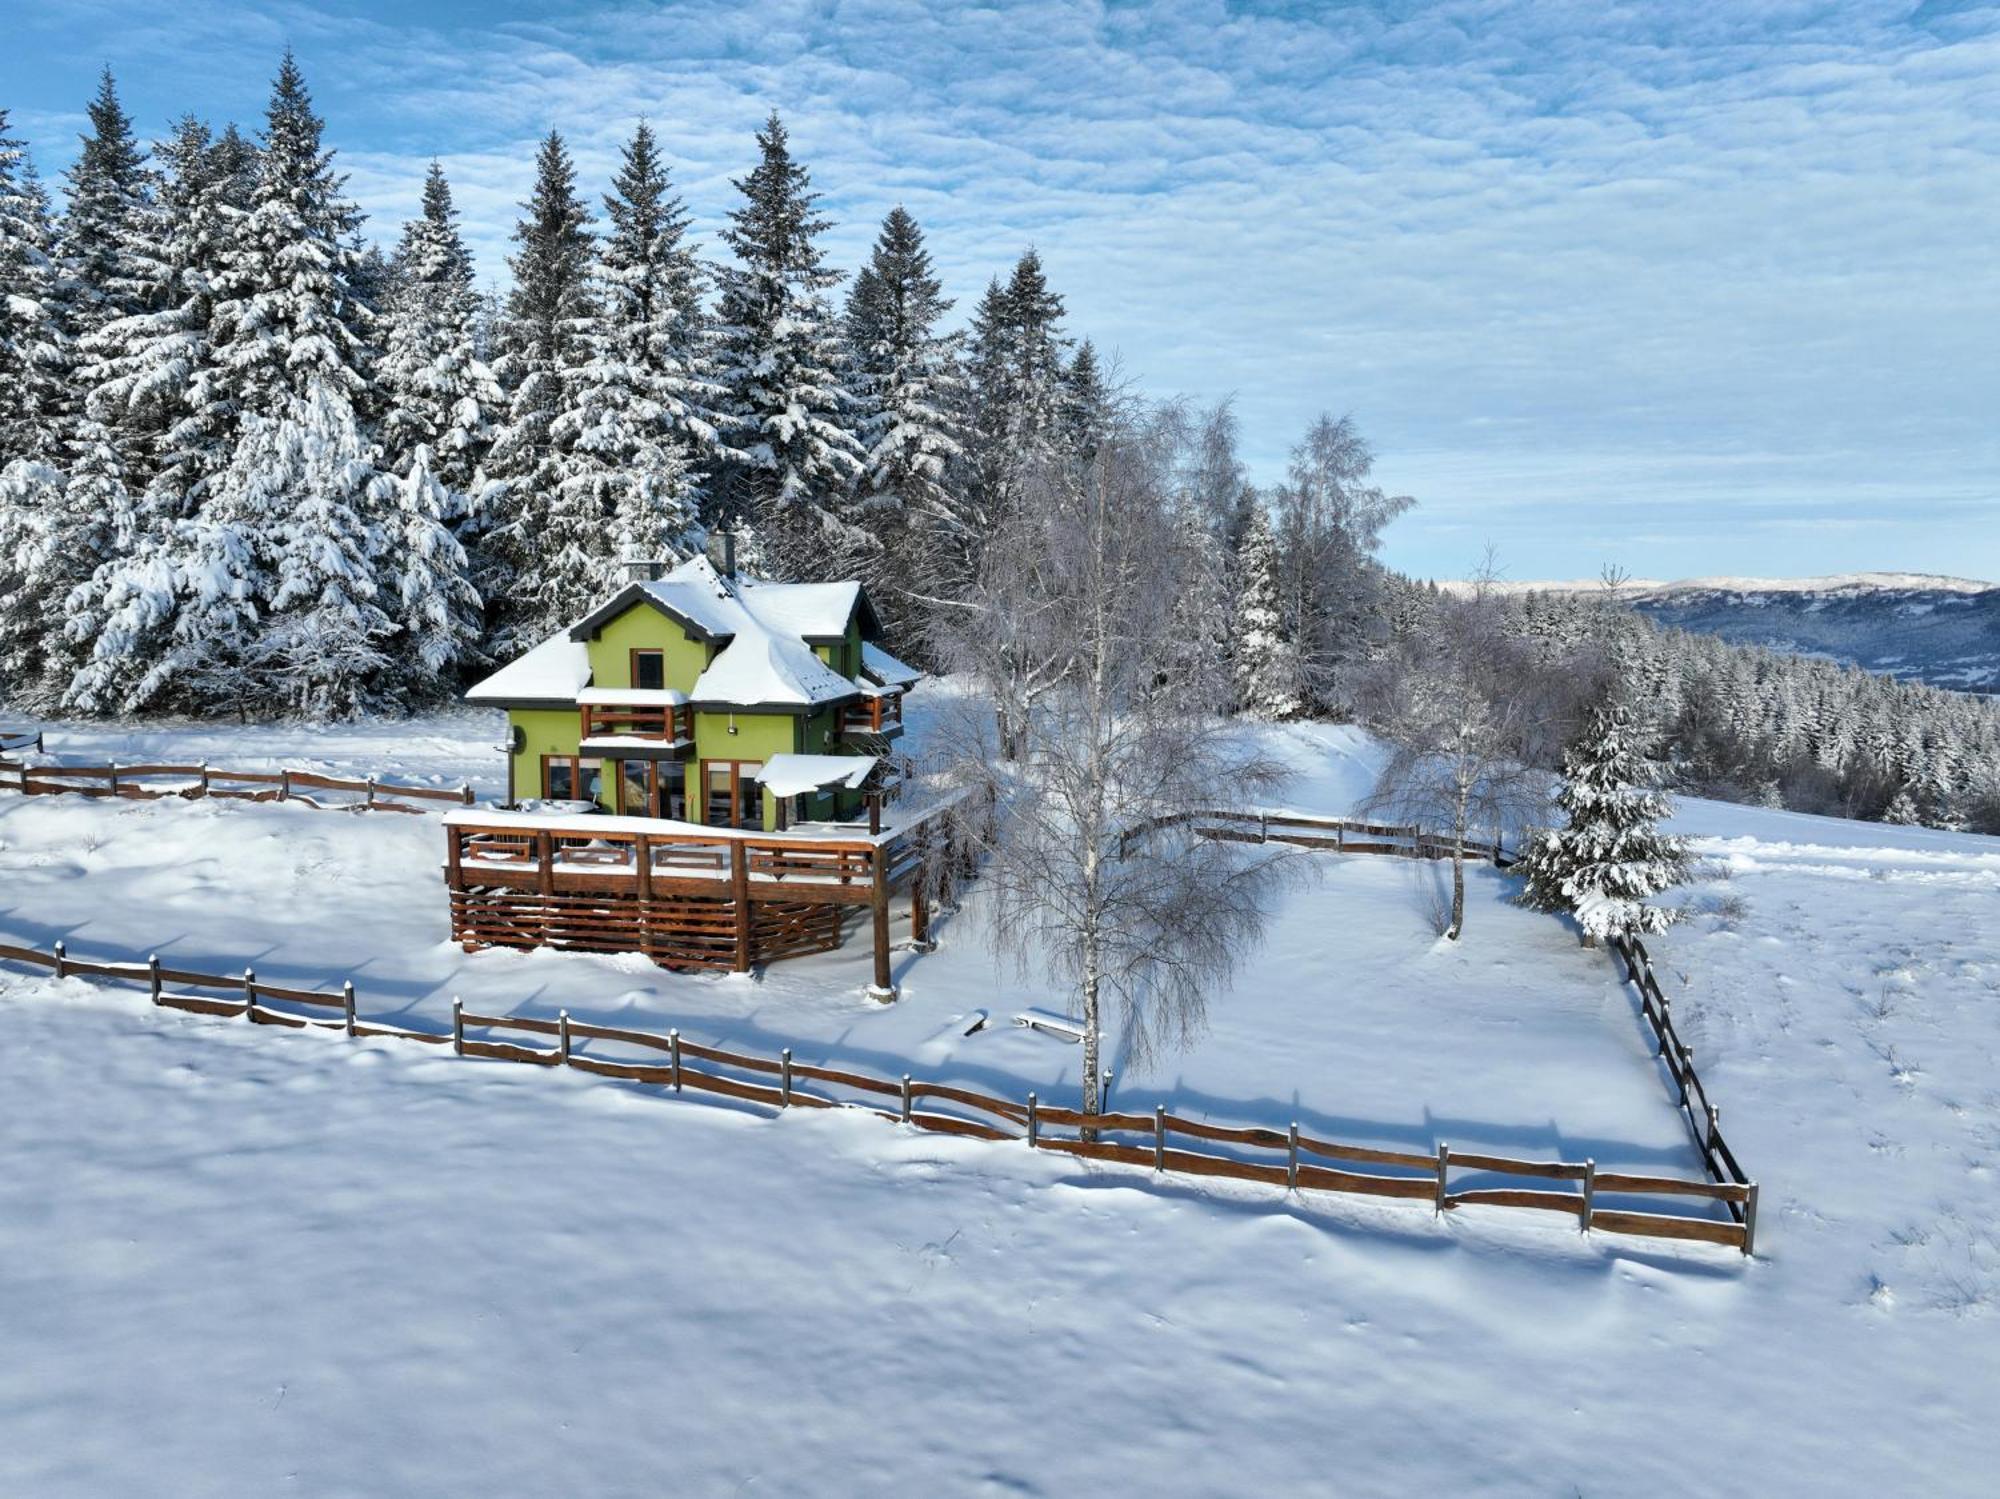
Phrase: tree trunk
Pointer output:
(1457, 894)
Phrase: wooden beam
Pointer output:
(739, 890)
(883, 988)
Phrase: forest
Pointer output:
(253, 462)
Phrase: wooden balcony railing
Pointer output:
(637, 721)
(873, 715)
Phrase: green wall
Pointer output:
(644, 628)
(549, 731)
(758, 736)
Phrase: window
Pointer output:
(566, 778)
(649, 669)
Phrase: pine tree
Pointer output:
(909, 389)
(1610, 856)
(1019, 393)
(1266, 673)
(633, 407)
(787, 410)
(109, 248)
(543, 337)
(1086, 402)
(429, 593)
(437, 393)
(31, 344)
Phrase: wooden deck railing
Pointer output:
(873, 715)
(637, 721)
(154, 782)
(1601, 1201)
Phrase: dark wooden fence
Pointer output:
(1704, 1120)
(153, 782)
(1601, 1201)
(1332, 834)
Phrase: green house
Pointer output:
(705, 695)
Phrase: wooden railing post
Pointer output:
(1444, 1161)
(739, 897)
(1159, 1137)
(1750, 1218)
(347, 1005)
(1034, 1123)
(906, 1098)
(371, 793)
(785, 1078)
(153, 975)
(204, 778)
(562, 1035)
(1292, 1158)
(1589, 1193)
(249, 996)
(284, 783)
(465, 793)
(458, 1027)
(61, 953)
(674, 1054)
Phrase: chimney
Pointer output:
(722, 552)
(644, 569)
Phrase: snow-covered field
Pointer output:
(235, 1260)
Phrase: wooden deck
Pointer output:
(692, 897)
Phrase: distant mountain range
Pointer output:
(1944, 631)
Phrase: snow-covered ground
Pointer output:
(235, 1260)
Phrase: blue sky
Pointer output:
(1689, 288)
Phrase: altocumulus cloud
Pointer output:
(1697, 288)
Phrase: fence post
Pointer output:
(562, 1033)
(1589, 1192)
(284, 783)
(60, 951)
(1750, 1218)
(347, 1004)
(204, 778)
(153, 974)
(1714, 1125)
(111, 777)
(1687, 1066)
(1159, 1137)
(1292, 1158)
(1444, 1158)
(1034, 1123)
(785, 1078)
(465, 793)
(674, 1050)
(458, 1027)
(906, 1098)
(249, 996)
(371, 793)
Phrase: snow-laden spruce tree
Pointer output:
(1086, 401)
(110, 243)
(1018, 397)
(428, 589)
(31, 341)
(437, 393)
(543, 337)
(1610, 855)
(631, 409)
(1265, 664)
(787, 410)
(909, 391)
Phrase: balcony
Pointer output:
(650, 719)
(879, 715)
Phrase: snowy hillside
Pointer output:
(1917, 626)
(249, 1261)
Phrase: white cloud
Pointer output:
(1553, 255)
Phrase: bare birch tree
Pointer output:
(1096, 869)
(1462, 707)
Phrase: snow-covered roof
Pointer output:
(788, 774)
(632, 697)
(765, 660)
(879, 666)
(553, 672)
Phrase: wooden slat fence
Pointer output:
(1303, 830)
(1285, 1158)
(1704, 1119)
(190, 782)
